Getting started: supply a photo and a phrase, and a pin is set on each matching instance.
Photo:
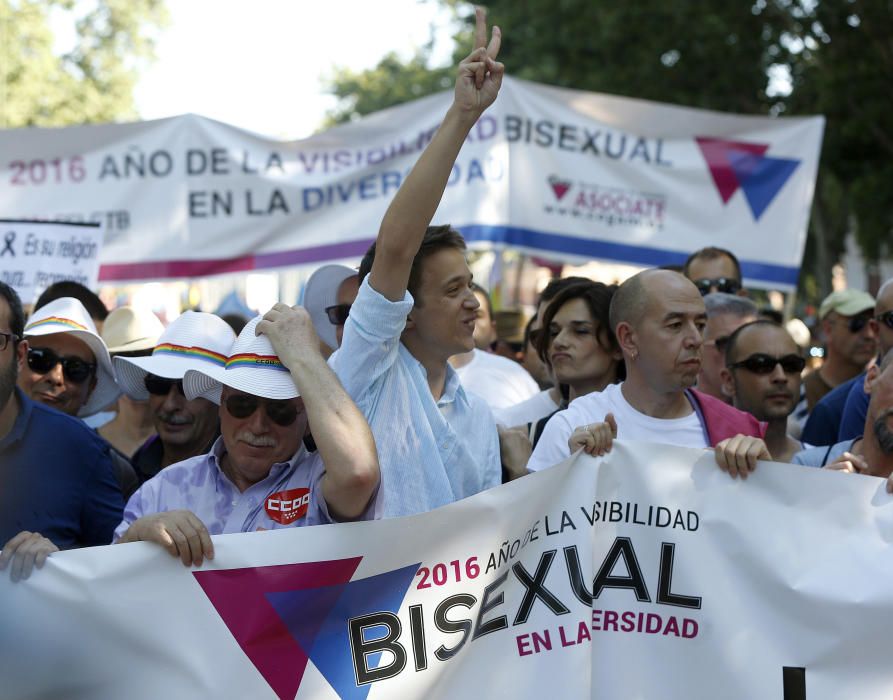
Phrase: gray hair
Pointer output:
(720, 303)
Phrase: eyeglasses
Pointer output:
(857, 323)
(6, 339)
(886, 318)
(765, 364)
(161, 386)
(282, 413)
(74, 369)
(722, 284)
(338, 314)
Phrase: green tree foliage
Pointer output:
(391, 82)
(91, 81)
(774, 57)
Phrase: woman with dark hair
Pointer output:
(577, 343)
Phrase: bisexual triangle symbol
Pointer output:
(739, 164)
(284, 616)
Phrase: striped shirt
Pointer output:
(431, 452)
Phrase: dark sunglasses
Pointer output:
(282, 413)
(765, 364)
(886, 318)
(74, 369)
(722, 284)
(338, 314)
(161, 386)
(857, 323)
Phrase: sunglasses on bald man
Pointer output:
(760, 363)
(727, 285)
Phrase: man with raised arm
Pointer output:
(416, 308)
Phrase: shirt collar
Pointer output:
(452, 386)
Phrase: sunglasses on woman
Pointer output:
(74, 369)
(282, 413)
(761, 363)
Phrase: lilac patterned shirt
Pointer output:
(291, 496)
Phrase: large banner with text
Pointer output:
(645, 574)
(556, 172)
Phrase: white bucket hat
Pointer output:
(195, 339)
(252, 367)
(320, 293)
(68, 315)
(127, 329)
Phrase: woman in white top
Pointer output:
(577, 343)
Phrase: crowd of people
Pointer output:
(380, 396)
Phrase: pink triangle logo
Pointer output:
(240, 597)
(559, 186)
(716, 152)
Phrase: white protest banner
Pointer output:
(35, 254)
(646, 574)
(552, 171)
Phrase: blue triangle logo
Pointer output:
(761, 177)
(317, 618)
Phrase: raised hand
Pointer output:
(480, 75)
(290, 331)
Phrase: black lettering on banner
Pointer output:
(487, 604)
(793, 679)
(665, 581)
(635, 581)
(360, 649)
(575, 573)
(417, 632)
(536, 588)
(8, 240)
(450, 626)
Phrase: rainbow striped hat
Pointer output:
(252, 366)
(68, 315)
(196, 339)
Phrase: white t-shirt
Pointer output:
(631, 425)
(497, 380)
(530, 411)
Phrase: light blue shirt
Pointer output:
(431, 452)
(290, 496)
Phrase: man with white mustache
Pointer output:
(272, 387)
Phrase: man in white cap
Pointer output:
(57, 486)
(185, 428)
(274, 384)
(68, 365)
(329, 293)
(69, 368)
